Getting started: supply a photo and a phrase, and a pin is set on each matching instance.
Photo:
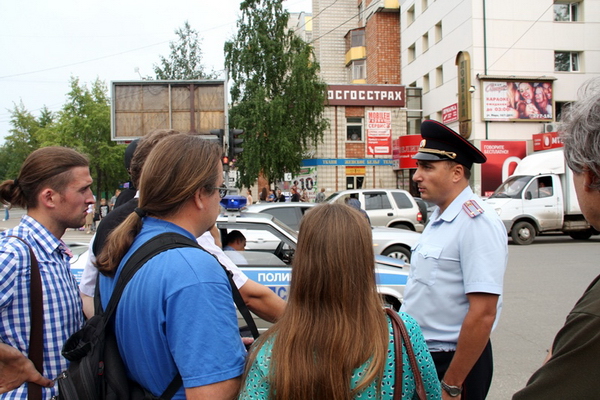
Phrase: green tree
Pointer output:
(185, 60)
(23, 139)
(84, 124)
(278, 97)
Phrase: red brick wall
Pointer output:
(383, 48)
(355, 150)
(355, 111)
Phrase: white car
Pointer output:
(391, 242)
(272, 266)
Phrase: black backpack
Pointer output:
(96, 370)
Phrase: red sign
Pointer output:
(545, 141)
(366, 95)
(408, 147)
(502, 159)
(379, 132)
(450, 114)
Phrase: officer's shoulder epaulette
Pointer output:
(472, 208)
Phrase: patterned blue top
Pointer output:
(62, 305)
(257, 386)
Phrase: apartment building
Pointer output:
(500, 70)
(357, 45)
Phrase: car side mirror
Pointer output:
(528, 196)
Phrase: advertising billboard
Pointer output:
(502, 159)
(517, 101)
(379, 132)
(139, 107)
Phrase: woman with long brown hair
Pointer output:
(334, 340)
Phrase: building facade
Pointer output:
(501, 70)
(357, 46)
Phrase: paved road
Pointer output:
(543, 282)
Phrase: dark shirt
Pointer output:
(125, 196)
(110, 222)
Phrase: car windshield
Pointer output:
(512, 187)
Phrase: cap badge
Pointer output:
(423, 143)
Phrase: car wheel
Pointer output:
(523, 233)
(402, 226)
(399, 252)
(581, 235)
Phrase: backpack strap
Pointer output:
(158, 244)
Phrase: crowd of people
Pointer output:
(332, 339)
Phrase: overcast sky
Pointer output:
(44, 43)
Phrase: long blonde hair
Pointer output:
(175, 169)
(334, 321)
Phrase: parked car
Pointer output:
(272, 265)
(426, 209)
(393, 208)
(389, 242)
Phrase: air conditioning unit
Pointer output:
(551, 127)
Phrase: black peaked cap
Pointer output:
(442, 143)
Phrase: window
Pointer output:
(414, 113)
(402, 200)
(559, 107)
(377, 201)
(567, 61)
(425, 42)
(358, 38)
(361, 13)
(439, 76)
(410, 15)
(540, 188)
(359, 70)
(411, 53)
(566, 12)
(354, 127)
(438, 31)
(423, 5)
(425, 83)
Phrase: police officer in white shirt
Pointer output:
(454, 290)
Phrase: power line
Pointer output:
(520, 37)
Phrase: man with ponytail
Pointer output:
(54, 187)
(176, 314)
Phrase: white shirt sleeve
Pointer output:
(87, 285)
(208, 243)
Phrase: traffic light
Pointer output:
(235, 143)
(219, 133)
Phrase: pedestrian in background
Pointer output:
(457, 267)
(320, 198)
(54, 187)
(572, 367)
(6, 214)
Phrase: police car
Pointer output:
(269, 252)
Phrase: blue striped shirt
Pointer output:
(62, 305)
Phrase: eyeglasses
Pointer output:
(222, 191)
